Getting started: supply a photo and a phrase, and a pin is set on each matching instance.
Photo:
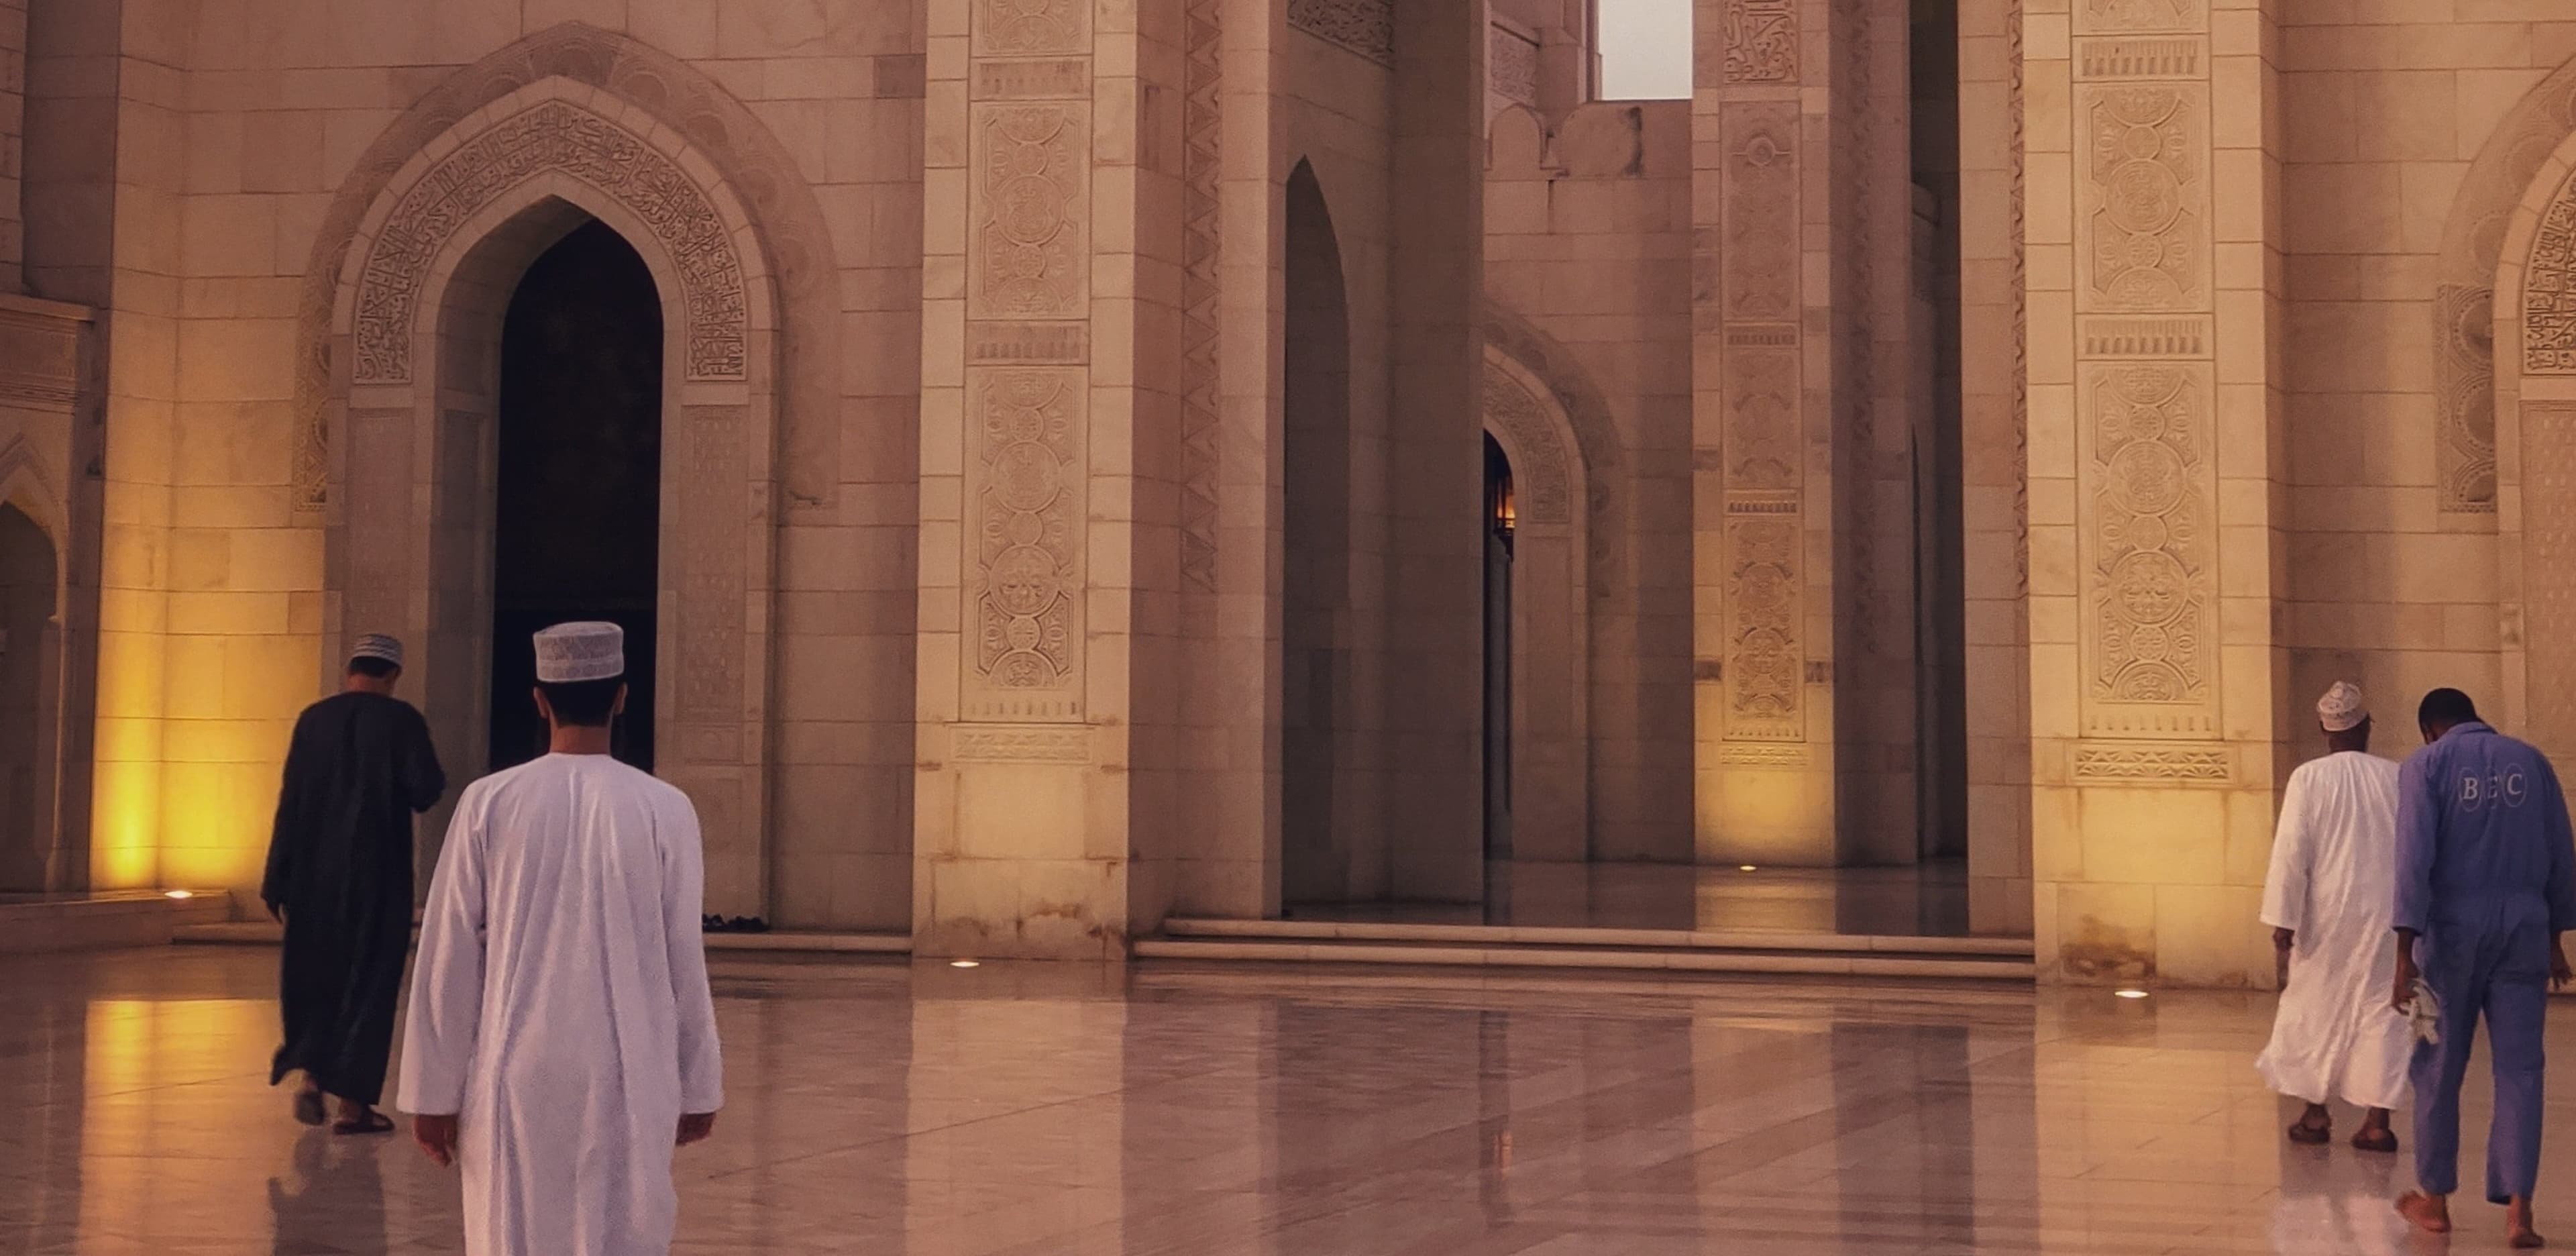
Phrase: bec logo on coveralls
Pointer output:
(2504, 789)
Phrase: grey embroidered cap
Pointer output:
(376, 645)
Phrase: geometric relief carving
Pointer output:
(2549, 290)
(39, 360)
(1759, 259)
(2163, 765)
(1028, 202)
(1763, 670)
(2464, 387)
(2149, 502)
(712, 476)
(1366, 27)
(2549, 571)
(1511, 66)
(1019, 744)
(1761, 39)
(1202, 119)
(2145, 184)
(1024, 584)
(553, 137)
(1539, 478)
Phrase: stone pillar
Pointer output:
(1802, 213)
(13, 133)
(2155, 493)
(1045, 312)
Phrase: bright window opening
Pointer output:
(1645, 49)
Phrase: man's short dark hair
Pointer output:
(583, 703)
(372, 667)
(2443, 708)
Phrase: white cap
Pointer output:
(567, 653)
(2342, 709)
(376, 645)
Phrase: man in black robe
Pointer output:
(340, 876)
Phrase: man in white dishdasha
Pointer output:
(562, 1040)
(2329, 899)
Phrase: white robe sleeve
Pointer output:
(447, 979)
(684, 894)
(2285, 889)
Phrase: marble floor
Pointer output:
(1926, 901)
(887, 1108)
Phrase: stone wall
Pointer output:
(1587, 240)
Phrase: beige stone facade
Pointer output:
(1959, 431)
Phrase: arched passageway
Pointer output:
(1316, 848)
(29, 641)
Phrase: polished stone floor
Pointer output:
(1926, 901)
(883, 1108)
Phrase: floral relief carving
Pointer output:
(1366, 27)
(2017, 210)
(2464, 386)
(1761, 38)
(2146, 175)
(1759, 275)
(2153, 764)
(555, 136)
(1539, 479)
(1024, 580)
(2150, 492)
(1202, 126)
(2106, 16)
(1762, 446)
(2549, 290)
(713, 529)
(1030, 199)
(1763, 671)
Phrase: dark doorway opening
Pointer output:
(28, 647)
(577, 517)
(1318, 862)
(1501, 516)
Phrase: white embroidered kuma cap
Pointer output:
(570, 653)
(2342, 709)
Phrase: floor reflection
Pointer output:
(1168, 1111)
(1930, 900)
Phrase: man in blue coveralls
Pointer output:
(2486, 878)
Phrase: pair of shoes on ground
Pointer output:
(733, 924)
(309, 1110)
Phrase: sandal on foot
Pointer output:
(2375, 1140)
(2307, 1135)
(370, 1123)
(308, 1107)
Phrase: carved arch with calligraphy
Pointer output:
(2534, 337)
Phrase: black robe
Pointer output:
(340, 865)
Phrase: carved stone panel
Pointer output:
(1764, 452)
(555, 136)
(712, 533)
(2464, 388)
(2103, 17)
(1027, 430)
(1511, 66)
(1539, 479)
(1031, 28)
(1029, 201)
(2549, 571)
(1202, 129)
(1765, 598)
(2549, 290)
(2148, 531)
(1365, 27)
(1761, 40)
(1759, 258)
(2101, 764)
(2143, 203)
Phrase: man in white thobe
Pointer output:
(2329, 899)
(562, 1039)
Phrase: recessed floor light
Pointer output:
(178, 894)
(964, 963)
(2130, 994)
(1747, 868)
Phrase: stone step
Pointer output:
(1782, 961)
(100, 921)
(270, 933)
(1645, 939)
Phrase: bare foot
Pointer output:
(2430, 1213)
(2517, 1226)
